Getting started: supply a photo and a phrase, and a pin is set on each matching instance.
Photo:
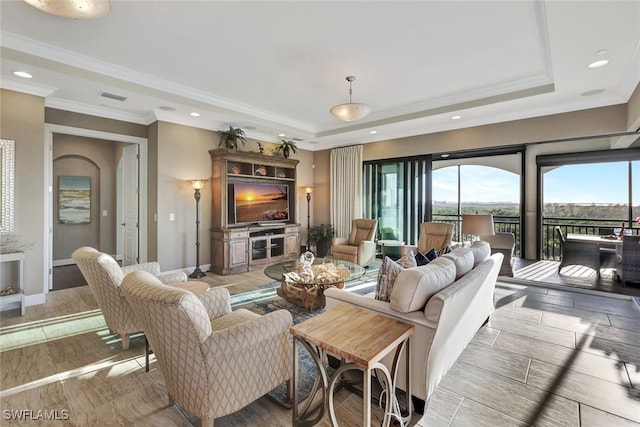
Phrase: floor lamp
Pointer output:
(308, 189)
(197, 185)
(477, 225)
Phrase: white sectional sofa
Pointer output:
(447, 300)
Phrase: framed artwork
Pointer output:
(74, 199)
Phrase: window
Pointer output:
(471, 187)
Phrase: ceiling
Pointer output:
(278, 67)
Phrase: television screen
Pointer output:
(261, 202)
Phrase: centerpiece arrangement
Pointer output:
(308, 273)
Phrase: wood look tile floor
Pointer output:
(547, 357)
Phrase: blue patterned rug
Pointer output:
(264, 300)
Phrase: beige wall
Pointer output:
(182, 155)
(633, 111)
(22, 120)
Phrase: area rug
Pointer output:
(264, 299)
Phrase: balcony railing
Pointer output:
(550, 240)
(598, 227)
(501, 224)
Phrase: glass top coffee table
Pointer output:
(307, 290)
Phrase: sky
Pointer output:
(593, 183)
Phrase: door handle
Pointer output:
(123, 224)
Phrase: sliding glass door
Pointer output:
(396, 194)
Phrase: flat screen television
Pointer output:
(260, 202)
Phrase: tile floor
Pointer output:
(547, 357)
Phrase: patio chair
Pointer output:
(628, 266)
(578, 253)
(214, 361)
(505, 244)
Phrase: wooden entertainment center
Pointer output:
(242, 247)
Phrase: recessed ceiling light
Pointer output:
(23, 74)
(456, 117)
(281, 135)
(599, 63)
(444, 156)
(373, 132)
(194, 114)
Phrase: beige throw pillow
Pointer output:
(415, 286)
(463, 260)
(481, 251)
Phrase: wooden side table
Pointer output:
(19, 295)
(362, 338)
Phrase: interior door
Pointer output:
(130, 207)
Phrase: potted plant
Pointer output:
(229, 139)
(286, 146)
(321, 235)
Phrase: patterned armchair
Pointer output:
(359, 248)
(214, 361)
(104, 276)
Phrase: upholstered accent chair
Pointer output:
(505, 244)
(214, 361)
(104, 276)
(432, 235)
(359, 248)
(578, 253)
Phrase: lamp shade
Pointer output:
(75, 9)
(350, 112)
(477, 224)
(198, 184)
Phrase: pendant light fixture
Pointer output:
(75, 9)
(351, 111)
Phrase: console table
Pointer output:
(19, 295)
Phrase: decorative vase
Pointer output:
(231, 144)
(285, 152)
(322, 247)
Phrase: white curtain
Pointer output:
(346, 188)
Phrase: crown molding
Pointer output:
(63, 56)
(25, 86)
(92, 110)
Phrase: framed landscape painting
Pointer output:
(74, 199)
